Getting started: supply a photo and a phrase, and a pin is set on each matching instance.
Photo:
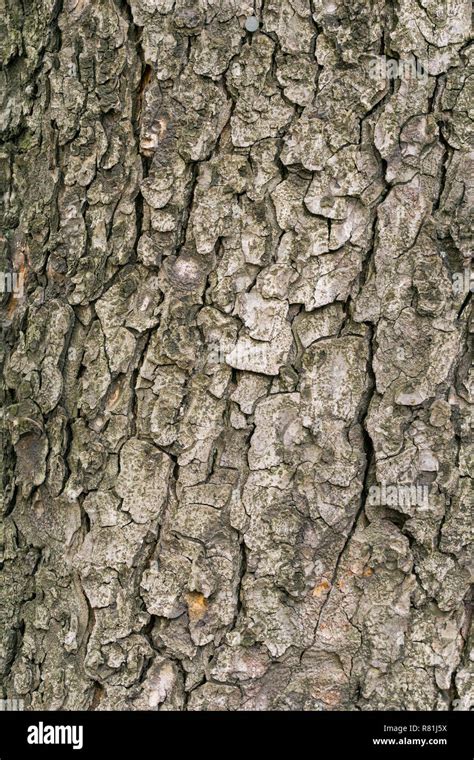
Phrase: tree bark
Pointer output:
(236, 378)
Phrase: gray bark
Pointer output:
(243, 332)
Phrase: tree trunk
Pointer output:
(235, 366)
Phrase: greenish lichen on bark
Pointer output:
(241, 249)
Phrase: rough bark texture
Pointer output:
(239, 316)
